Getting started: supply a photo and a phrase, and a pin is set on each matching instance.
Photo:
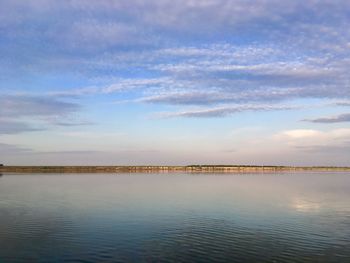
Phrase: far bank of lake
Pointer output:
(164, 169)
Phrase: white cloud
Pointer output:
(315, 140)
(301, 133)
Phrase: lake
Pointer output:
(290, 217)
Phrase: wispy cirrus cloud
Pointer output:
(332, 119)
(195, 53)
(69, 123)
(221, 111)
(93, 31)
(214, 96)
(220, 74)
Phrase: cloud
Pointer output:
(316, 141)
(189, 98)
(92, 29)
(301, 133)
(220, 111)
(185, 53)
(343, 103)
(119, 85)
(38, 106)
(15, 127)
(73, 123)
(300, 146)
(24, 113)
(225, 73)
(90, 135)
(334, 119)
(223, 95)
(96, 32)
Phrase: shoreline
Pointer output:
(167, 169)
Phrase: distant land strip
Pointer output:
(166, 169)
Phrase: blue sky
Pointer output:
(175, 82)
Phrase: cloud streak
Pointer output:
(23, 113)
(39, 106)
(333, 119)
(221, 111)
(15, 127)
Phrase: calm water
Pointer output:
(175, 217)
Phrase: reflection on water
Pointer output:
(182, 218)
(301, 205)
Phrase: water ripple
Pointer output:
(108, 222)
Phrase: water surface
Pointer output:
(301, 217)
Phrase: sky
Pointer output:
(178, 82)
